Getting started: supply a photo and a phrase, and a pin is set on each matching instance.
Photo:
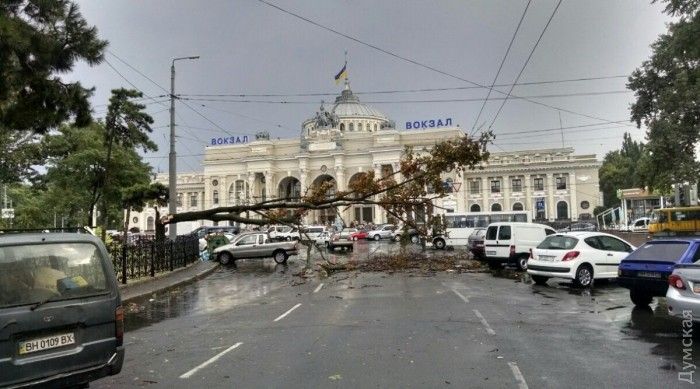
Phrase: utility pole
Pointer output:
(172, 171)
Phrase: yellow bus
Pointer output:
(675, 220)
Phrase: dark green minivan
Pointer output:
(61, 319)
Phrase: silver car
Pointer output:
(385, 231)
(683, 295)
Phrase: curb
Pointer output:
(192, 278)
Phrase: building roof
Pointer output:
(348, 105)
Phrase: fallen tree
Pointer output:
(403, 194)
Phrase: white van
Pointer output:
(311, 232)
(510, 242)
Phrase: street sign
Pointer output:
(8, 213)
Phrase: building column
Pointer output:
(223, 192)
(485, 190)
(206, 194)
(551, 208)
(268, 185)
(251, 187)
(378, 211)
(529, 206)
(506, 192)
(345, 214)
(573, 204)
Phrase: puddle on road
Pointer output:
(651, 325)
(227, 287)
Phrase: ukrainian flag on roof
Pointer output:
(342, 74)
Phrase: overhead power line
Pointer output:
(414, 62)
(476, 99)
(534, 131)
(525, 64)
(395, 91)
(495, 78)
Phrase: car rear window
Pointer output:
(504, 233)
(558, 242)
(659, 251)
(50, 272)
(491, 233)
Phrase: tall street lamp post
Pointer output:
(172, 171)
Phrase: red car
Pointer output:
(360, 234)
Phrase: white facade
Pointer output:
(349, 138)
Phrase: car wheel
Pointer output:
(415, 239)
(280, 256)
(225, 258)
(439, 244)
(397, 238)
(584, 276)
(289, 238)
(377, 237)
(539, 280)
(640, 298)
(521, 262)
(354, 238)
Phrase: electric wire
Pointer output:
(549, 21)
(503, 61)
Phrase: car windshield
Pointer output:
(558, 242)
(659, 251)
(54, 271)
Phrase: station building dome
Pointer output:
(346, 114)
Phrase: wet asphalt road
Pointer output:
(396, 330)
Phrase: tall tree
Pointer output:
(39, 40)
(75, 172)
(621, 170)
(667, 88)
(128, 127)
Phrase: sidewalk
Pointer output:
(146, 286)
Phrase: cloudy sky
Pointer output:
(250, 48)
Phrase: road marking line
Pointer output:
(518, 375)
(485, 323)
(464, 298)
(210, 361)
(318, 288)
(280, 317)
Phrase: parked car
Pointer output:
(279, 232)
(323, 238)
(646, 270)
(582, 226)
(683, 296)
(255, 245)
(359, 234)
(203, 231)
(578, 256)
(476, 243)
(342, 239)
(412, 233)
(311, 232)
(510, 242)
(640, 225)
(61, 319)
(385, 231)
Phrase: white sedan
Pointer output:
(322, 239)
(578, 256)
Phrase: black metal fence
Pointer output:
(146, 257)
